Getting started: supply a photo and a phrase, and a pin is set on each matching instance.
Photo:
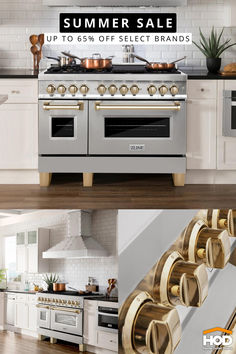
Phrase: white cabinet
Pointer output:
(26, 312)
(29, 254)
(201, 124)
(90, 322)
(2, 309)
(107, 340)
(19, 125)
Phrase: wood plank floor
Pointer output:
(11, 343)
(117, 191)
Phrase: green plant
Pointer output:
(50, 279)
(3, 275)
(212, 47)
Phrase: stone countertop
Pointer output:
(6, 73)
(205, 75)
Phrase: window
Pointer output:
(10, 259)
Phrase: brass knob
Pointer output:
(152, 90)
(183, 283)
(174, 90)
(84, 89)
(73, 89)
(134, 89)
(150, 327)
(208, 245)
(101, 89)
(163, 90)
(112, 90)
(222, 219)
(60, 301)
(61, 89)
(51, 89)
(123, 90)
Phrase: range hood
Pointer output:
(115, 3)
(79, 243)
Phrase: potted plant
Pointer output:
(50, 279)
(212, 48)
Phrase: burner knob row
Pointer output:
(134, 89)
(163, 89)
(73, 89)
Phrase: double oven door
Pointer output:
(67, 320)
(137, 127)
(63, 127)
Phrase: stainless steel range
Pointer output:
(124, 120)
(60, 316)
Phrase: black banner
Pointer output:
(118, 23)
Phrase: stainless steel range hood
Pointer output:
(115, 3)
(79, 243)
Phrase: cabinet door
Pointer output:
(32, 258)
(22, 315)
(90, 322)
(32, 317)
(18, 136)
(20, 238)
(21, 260)
(201, 134)
(32, 237)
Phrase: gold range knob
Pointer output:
(112, 89)
(84, 89)
(101, 90)
(124, 90)
(224, 219)
(174, 90)
(163, 90)
(182, 282)
(152, 90)
(61, 89)
(51, 89)
(134, 89)
(145, 321)
(73, 89)
(203, 244)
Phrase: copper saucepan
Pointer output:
(96, 62)
(59, 286)
(155, 66)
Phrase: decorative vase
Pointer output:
(213, 64)
(50, 287)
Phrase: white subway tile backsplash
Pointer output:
(21, 18)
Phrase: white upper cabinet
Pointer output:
(201, 124)
(19, 124)
(230, 13)
(29, 254)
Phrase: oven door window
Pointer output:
(140, 127)
(107, 321)
(233, 117)
(43, 315)
(66, 319)
(62, 127)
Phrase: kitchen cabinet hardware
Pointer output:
(144, 322)
(15, 91)
(202, 89)
(175, 107)
(204, 244)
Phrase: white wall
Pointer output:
(21, 18)
(76, 271)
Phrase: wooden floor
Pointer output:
(116, 191)
(11, 343)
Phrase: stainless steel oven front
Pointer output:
(229, 113)
(108, 318)
(67, 320)
(63, 127)
(122, 127)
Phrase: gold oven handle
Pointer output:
(43, 307)
(175, 107)
(78, 107)
(65, 310)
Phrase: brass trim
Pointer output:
(78, 107)
(65, 309)
(175, 107)
(43, 306)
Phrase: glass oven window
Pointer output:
(65, 319)
(62, 127)
(233, 117)
(43, 315)
(146, 127)
(108, 321)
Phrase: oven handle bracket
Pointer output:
(175, 107)
(78, 107)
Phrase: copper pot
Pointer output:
(155, 66)
(59, 286)
(95, 63)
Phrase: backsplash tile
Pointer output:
(20, 18)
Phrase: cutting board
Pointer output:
(228, 73)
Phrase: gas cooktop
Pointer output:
(115, 69)
(70, 293)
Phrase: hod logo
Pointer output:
(213, 340)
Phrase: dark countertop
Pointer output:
(102, 298)
(17, 74)
(205, 75)
(31, 292)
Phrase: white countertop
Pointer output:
(3, 98)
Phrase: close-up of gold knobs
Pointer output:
(174, 90)
(73, 89)
(220, 219)
(124, 90)
(101, 89)
(84, 89)
(61, 89)
(152, 90)
(134, 89)
(163, 90)
(112, 89)
(51, 89)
